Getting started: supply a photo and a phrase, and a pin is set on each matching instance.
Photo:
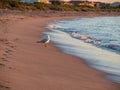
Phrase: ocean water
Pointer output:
(96, 40)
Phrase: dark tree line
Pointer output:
(56, 6)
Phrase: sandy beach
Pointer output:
(27, 65)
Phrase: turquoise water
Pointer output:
(97, 40)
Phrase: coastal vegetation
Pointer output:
(57, 6)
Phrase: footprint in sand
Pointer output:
(4, 87)
(5, 55)
(11, 46)
(4, 59)
(8, 51)
(2, 65)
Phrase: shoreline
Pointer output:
(42, 67)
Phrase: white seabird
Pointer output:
(45, 40)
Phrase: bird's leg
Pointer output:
(45, 44)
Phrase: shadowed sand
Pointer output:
(28, 65)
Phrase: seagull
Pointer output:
(45, 40)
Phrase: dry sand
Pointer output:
(27, 65)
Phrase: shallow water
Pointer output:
(103, 49)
